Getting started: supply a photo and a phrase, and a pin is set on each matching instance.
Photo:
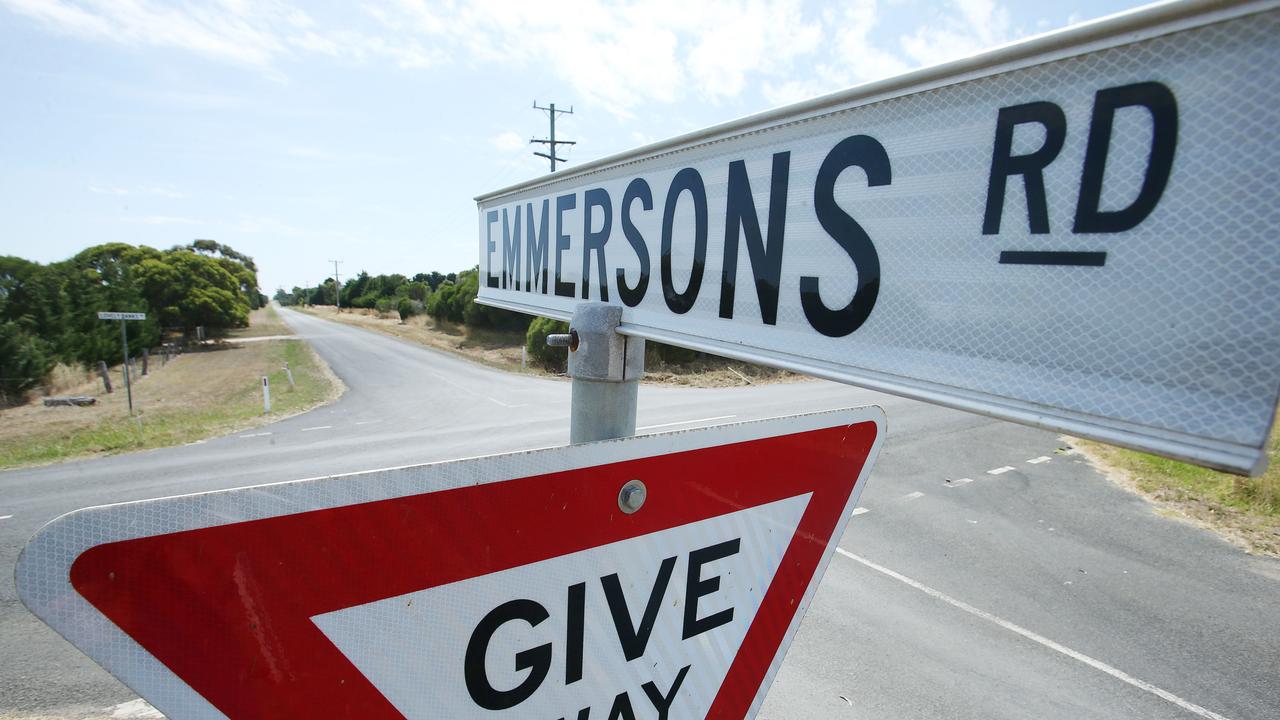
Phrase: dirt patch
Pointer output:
(505, 351)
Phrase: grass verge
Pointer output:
(502, 350)
(195, 396)
(1245, 511)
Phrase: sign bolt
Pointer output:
(569, 340)
(632, 496)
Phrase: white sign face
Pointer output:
(509, 586)
(1079, 232)
(121, 316)
(476, 632)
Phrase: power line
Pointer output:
(337, 287)
(552, 142)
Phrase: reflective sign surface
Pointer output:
(505, 586)
(1079, 232)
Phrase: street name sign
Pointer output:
(1079, 232)
(528, 585)
(122, 316)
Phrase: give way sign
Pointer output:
(499, 587)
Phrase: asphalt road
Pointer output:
(961, 590)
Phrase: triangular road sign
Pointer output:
(533, 585)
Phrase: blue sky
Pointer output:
(303, 132)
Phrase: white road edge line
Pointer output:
(686, 422)
(253, 435)
(505, 405)
(1000, 470)
(318, 427)
(5, 517)
(1046, 642)
(913, 496)
(860, 511)
(1038, 460)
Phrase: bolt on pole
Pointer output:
(606, 368)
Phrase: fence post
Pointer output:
(106, 376)
(289, 374)
(146, 356)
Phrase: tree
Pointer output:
(24, 361)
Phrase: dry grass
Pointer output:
(503, 350)
(264, 322)
(195, 396)
(1245, 511)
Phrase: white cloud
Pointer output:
(508, 141)
(157, 190)
(617, 56)
(620, 56)
(161, 220)
(104, 190)
(978, 25)
(258, 34)
(265, 225)
(162, 191)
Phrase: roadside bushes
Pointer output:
(535, 342)
(24, 361)
(407, 308)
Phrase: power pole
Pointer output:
(337, 287)
(552, 142)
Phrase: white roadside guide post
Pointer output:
(1072, 232)
(124, 346)
(266, 396)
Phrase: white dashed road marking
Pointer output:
(318, 427)
(253, 435)
(913, 496)
(1041, 459)
(959, 481)
(5, 517)
(1000, 470)
(1029, 635)
(860, 511)
(496, 401)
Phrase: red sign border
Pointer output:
(70, 614)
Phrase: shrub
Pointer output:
(24, 361)
(656, 353)
(535, 342)
(408, 308)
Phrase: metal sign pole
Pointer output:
(124, 344)
(606, 369)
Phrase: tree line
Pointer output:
(445, 297)
(49, 313)
(451, 298)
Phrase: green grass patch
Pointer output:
(1256, 495)
(1247, 509)
(201, 395)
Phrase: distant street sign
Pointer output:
(121, 316)
(656, 576)
(1072, 232)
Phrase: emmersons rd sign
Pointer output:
(1071, 232)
